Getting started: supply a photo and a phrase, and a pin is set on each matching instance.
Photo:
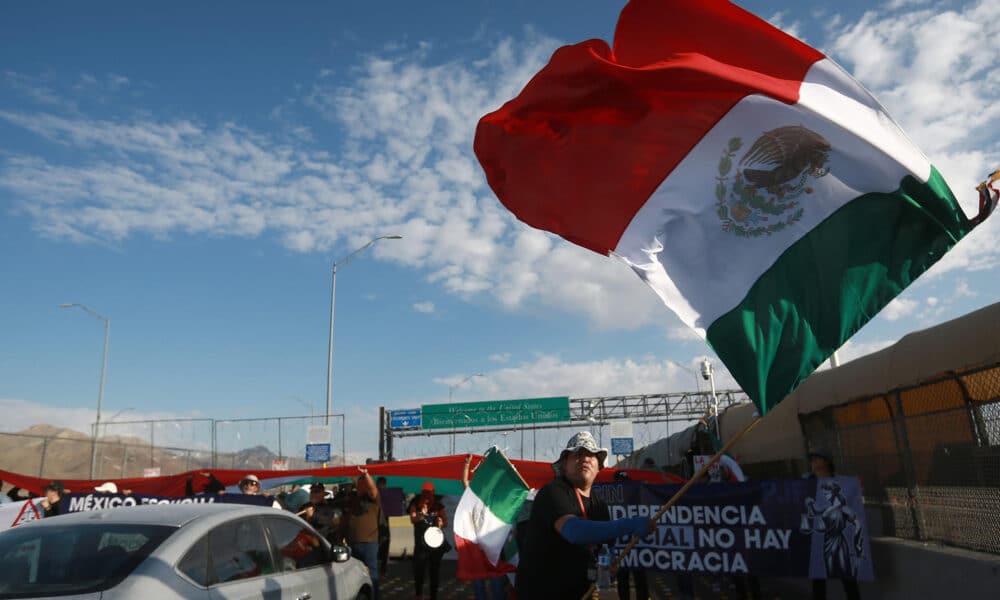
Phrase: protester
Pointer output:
(317, 494)
(362, 515)
(821, 466)
(250, 485)
(52, 503)
(384, 531)
(296, 500)
(557, 559)
(497, 584)
(426, 511)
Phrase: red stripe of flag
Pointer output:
(595, 132)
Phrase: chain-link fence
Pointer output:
(928, 456)
(168, 446)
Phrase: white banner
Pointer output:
(16, 513)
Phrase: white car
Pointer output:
(194, 551)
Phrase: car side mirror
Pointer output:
(339, 554)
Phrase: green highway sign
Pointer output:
(463, 415)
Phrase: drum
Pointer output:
(433, 537)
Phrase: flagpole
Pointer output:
(515, 468)
(592, 590)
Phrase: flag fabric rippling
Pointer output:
(764, 195)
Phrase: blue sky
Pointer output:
(191, 171)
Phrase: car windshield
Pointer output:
(73, 559)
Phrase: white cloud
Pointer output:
(549, 375)
(404, 164)
(899, 308)
(424, 307)
(500, 358)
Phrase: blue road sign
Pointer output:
(406, 417)
(317, 452)
(622, 446)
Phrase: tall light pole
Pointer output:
(707, 372)
(451, 393)
(100, 392)
(333, 299)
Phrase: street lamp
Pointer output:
(451, 393)
(708, 373)
(333, 298)
(100, 392)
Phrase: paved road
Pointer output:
(398, 585)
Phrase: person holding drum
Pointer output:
(429, 518)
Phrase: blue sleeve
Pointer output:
(582, 531)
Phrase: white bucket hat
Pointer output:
(582, 440)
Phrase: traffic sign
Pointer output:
(622, 446)
(622, 442)
(498, 412)
(404, 418)
(317, 452)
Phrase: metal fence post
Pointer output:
(976, 423)
(124, 460)
(381, 433)
(908, 467)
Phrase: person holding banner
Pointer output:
(558, 552)
(833, 525)
(427, 515)
(52, 503)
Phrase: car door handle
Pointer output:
(305, 596)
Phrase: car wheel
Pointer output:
(364, 595)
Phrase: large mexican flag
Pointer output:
(760, 191)
(485, 516)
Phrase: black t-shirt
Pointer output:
(549, 567)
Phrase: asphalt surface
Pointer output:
(397, 584)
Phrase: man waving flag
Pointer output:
(760, 191)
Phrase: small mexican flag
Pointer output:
(485, 516)
(764, 195)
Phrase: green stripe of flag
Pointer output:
(497, 484)
(820, 291)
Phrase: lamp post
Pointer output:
(100, 392)
(333, 298)
(707, 372)
(451, 393)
